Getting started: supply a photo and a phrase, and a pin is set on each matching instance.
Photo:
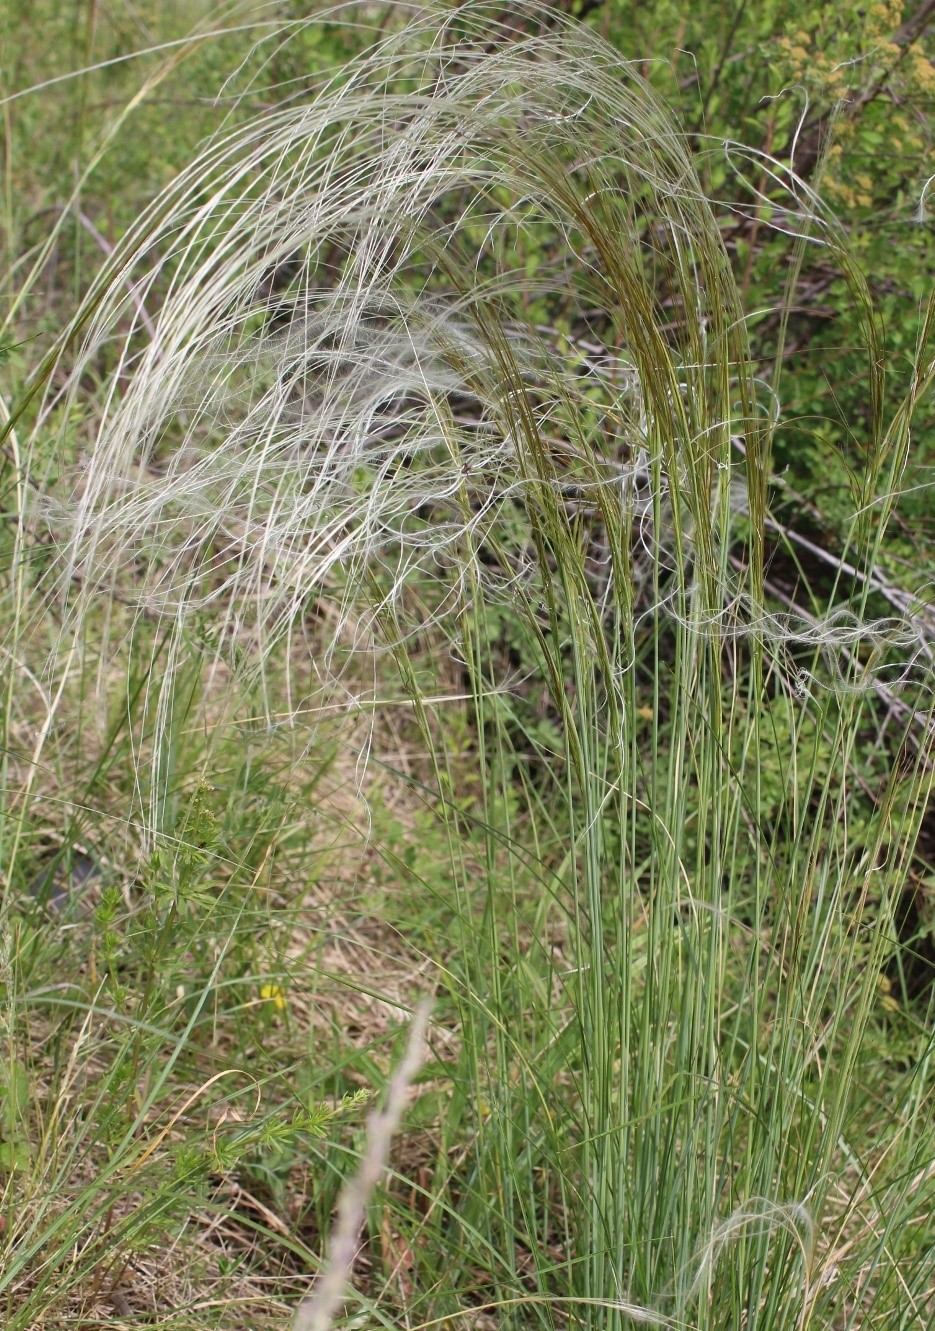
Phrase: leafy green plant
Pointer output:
(843, 98)
(15, 1145)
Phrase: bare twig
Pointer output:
(317, 1312)
(905, 603)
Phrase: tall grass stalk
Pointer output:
(372, 389)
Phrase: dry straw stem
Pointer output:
(317, 1313)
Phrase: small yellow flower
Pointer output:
(273, 993)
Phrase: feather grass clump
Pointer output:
(460, 323)
(373, 339)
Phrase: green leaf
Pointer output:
(14, 1089)
(14, 1154)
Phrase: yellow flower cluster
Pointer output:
(836, 58)
(921, 70)
(837, 53)
(274, 995)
